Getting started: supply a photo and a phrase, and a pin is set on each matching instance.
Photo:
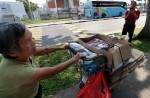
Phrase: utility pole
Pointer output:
(56, 8)
(30, 9)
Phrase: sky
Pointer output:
(40, 2)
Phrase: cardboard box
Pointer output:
(120, 52)
(116, 56)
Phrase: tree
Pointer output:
(33, 6)
(145, 32)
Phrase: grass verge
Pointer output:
(62, 80)
(143, 45)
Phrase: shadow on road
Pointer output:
(55, 40)
(50, 41)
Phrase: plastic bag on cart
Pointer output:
(95, 88)
(75, 47)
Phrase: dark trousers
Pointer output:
(39, 94)
(130, 29)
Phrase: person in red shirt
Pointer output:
(130, 18)
(96, 13)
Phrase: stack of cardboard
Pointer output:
(120, 54)
(127, 68)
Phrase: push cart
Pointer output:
(112, 78)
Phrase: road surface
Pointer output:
(63, 32)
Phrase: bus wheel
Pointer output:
(120, 14)
(103, 15)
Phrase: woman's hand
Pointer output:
(64, 46)
(78, 56)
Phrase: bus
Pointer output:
(103, 9)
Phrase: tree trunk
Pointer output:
(145, 32)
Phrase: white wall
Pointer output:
(18, 9)
(5, 8)
(14, 8)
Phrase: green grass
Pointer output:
(45, 21)
(62, 80)
(143, 45)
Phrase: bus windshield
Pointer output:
(109, 4)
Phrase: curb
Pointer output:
(79, 21)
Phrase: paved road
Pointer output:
(60, 32)
(65, 32)
(108, 26)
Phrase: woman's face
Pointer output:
(27, 46)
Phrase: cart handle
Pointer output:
(84, 58)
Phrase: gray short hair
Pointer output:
(10, 34)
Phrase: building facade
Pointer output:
(9, 11)
(63, 3)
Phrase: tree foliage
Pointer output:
(33, 6)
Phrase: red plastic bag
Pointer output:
(95, 88)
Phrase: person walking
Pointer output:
(130, 18)
(79, 14)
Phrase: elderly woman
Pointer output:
(19, 73)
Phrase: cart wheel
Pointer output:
(81, 85)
